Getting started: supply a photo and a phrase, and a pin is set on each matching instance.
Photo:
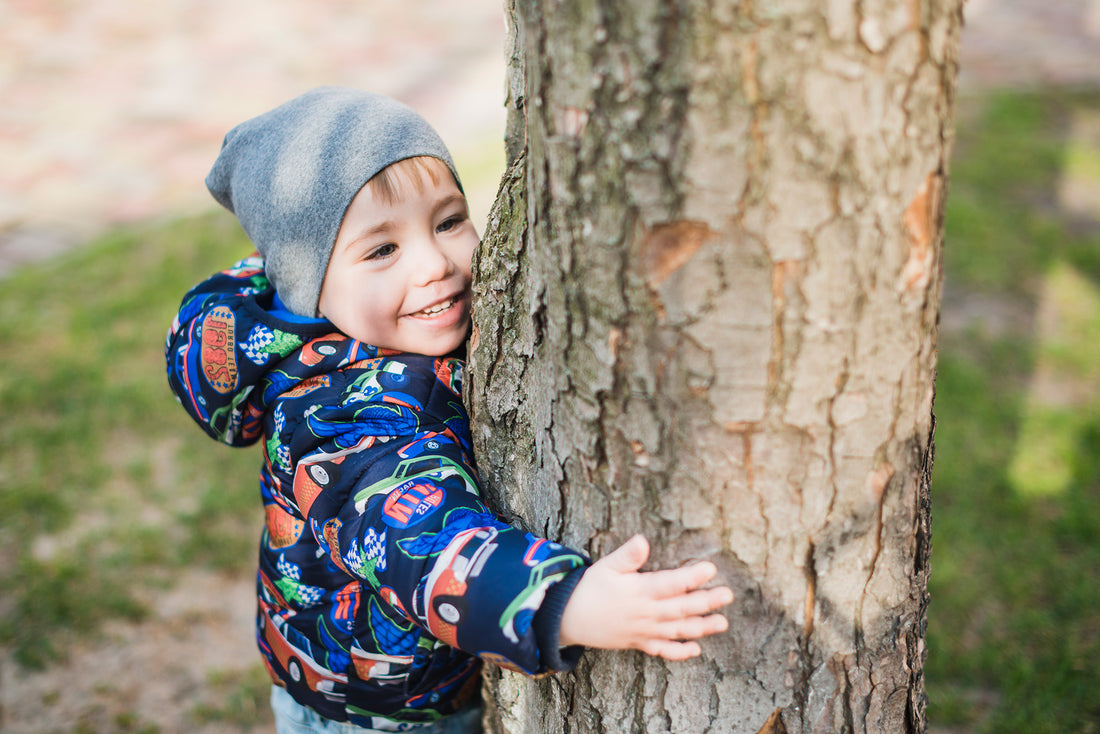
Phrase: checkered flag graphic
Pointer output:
(256, 345)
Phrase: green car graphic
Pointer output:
(436, 468)
(552, 569)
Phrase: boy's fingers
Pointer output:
(693, 604)
(671, 650)
(691, 628)
(677, 581)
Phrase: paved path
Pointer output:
(1031, 42)
(113, 110)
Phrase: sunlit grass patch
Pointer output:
(1005, 222)
(1064, 391)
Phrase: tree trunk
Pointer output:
(706, 311)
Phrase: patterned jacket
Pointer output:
(383, 578)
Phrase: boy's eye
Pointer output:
(383, 251)
(449, 223)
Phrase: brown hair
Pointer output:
(389, 184)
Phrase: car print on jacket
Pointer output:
(433, 468)
(518, 614)
(283, 529)
(294, 652)
(386, 669)
(321, 470)
(445, 591)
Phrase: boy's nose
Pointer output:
(433, 264)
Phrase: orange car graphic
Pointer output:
(297, 659)
(445, 590)
(379, 668)
(313, 352)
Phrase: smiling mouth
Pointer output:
(441, 307)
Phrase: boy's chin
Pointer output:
(442, 344)
(438, 347)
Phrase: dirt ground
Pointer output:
(112, 112)
(146, 677)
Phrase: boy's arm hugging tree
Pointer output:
(387, 508)
(450, 565)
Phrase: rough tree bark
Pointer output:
(707, 308)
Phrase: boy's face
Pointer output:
(399, 276)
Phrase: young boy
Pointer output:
(383, 578)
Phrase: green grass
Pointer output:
(1003, 222)
(242, 698)
(1014, 627)
(106, 486)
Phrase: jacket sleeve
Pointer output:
(220, 346)
(401, 509)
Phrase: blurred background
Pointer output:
(113, 111)
(123, 608)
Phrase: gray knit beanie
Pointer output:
(291, 173)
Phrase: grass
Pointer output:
(242, 700)
(107, 490)
(1005, 226)
(106, 486)
(1014, 629)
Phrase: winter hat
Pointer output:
(291, 173)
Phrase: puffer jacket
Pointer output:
(383, 578)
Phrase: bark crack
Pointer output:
(849, 719)
(879, 481)
(842, 381)
(805, 666)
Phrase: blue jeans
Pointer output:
(292, 717)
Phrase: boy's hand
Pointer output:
(617, 607)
